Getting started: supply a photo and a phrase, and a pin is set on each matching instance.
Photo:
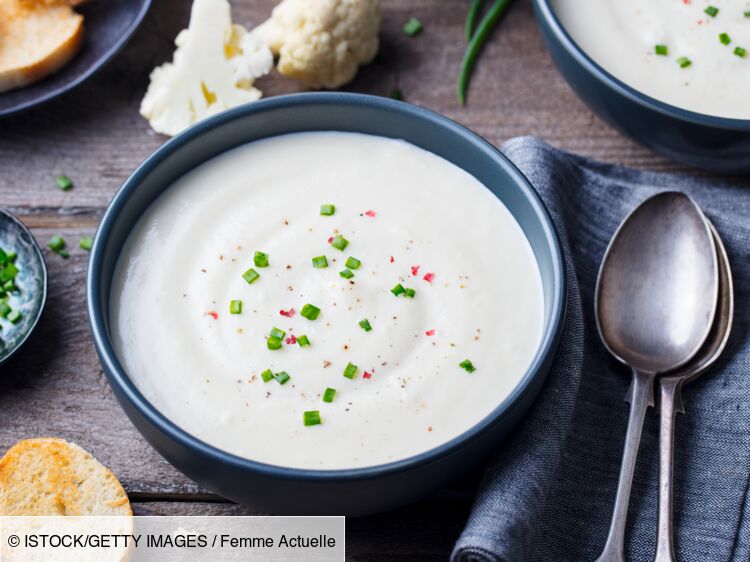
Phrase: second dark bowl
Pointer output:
(703, 141)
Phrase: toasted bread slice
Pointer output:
(37, 38)
(50, 476)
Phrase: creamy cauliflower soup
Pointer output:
(326, 300)
(689, 53)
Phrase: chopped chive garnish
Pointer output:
(352, 263)
(3, 257)
(235, 307)
(320, 261)
(5, 309)
(64, 183)
(351, 371)
(8, 272)
(276, 333)
(57, 245)
(13, 316)
(303, 341)
(281, 377)
(311, 417)
(346, 274)
(724, 38)
(329, 394)
(740, 52)
(266, 375)
(273, 343)
(250, 276)
(684, 62)
(662, 50)
(409, 292)
(11, 256)
(310, 311)
(339, 242)
(365, 325)
(413, 27)
(327, 210)
(398, 289)
(260, 259)
(396, 94)
(712, 11)
(86, 243)
(747, 14)
(9, 286)
(467, 366)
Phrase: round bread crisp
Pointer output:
(37, 38)
(49, 476)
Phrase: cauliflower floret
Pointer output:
(213, 69)
(323, 42)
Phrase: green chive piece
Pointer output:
(310, 311)
(471, 18)
(311, 417)
(276, 333)
(413, 27)
(86, 243)
(320, 261)
(9, 272)
(467, 366)
(327, 210)
(352, 263)
(250, 276)
(5, 309)
(260, 259)
(303, 341)
(273, 343)
(740, 52)
(365, 325)
(724, 38)
(9, 287)
(661, 50)
(712, 11)
(339, 242)
(56, 243)
(398, 289)
(64, 183)
(11, 256)
(281, 377)
(351, 371)
(329, 394)
(747, 14)
(409, 293)
(266, 375)
(235, 307)
(3, 257)
(684, 62)
(13, 317)
(396, 94)
(346, 274)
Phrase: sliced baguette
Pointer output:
(50, 476)
(37, 38)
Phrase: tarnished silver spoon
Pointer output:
(671, 398)
(655, 302)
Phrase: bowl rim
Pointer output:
(45, 289)
(547, 14)
(118, 377)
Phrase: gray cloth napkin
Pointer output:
(549, 492)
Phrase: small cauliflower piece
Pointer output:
(213, 69)
(323, 42)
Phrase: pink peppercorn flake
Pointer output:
(288, 313)
(415, 270)
(370, 214)
(330, 239)
(392, 260)
(366, 375)
(213, 314)
(291, 340)
(429, 277)
(430, 332)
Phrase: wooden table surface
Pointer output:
(56, 387)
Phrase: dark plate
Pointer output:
(31, 281)
(108, 25)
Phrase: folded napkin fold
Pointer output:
(549, 492)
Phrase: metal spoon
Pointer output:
(655, 302)
(671, 398)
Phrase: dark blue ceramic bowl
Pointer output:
(703, 141)
(359, 491)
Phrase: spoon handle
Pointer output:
(671, 403)
(640, 397)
